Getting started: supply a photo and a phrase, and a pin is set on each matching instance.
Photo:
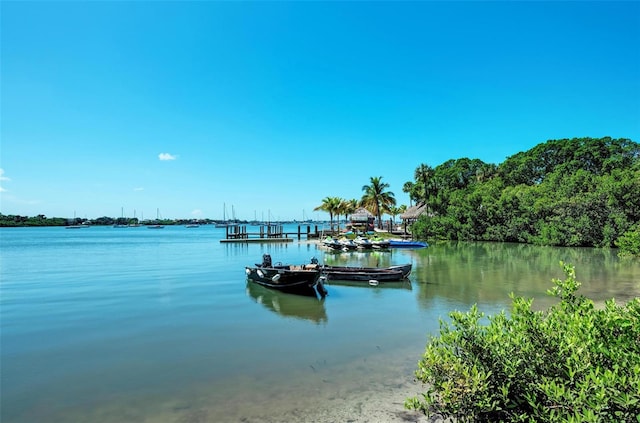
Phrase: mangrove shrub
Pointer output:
(571, 363)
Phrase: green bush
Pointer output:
(629, 242)
(571, 363)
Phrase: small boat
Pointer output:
(157, 224)
(226, 222)
(406, 243)
(301, 280)
(74, 223)
(370, 274)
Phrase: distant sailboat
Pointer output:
(74, 224)
(136, 222)
(156, 225)
(120, 223)
(224, 222)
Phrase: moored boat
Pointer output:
(293, 279)
(355, 273)
(407, 243)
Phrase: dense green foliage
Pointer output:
(577, 192)
(629, 242)
(572, 363)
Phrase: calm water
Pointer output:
(122, 325)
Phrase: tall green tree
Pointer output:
(377, 199)
(330, 205)
(424, 177)
(410, 188)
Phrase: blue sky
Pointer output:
(268, 107)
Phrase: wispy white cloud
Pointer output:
(196, 212)
(138, 189)
(167, 156)
(3, 178)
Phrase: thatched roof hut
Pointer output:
(413, 213)
(362, 219)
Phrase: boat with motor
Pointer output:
(294, 279)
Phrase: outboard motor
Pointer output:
(321, 289)
(266, 260)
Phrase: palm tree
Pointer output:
(376, 199)
(409, 188)
(347, 207)
(423, 175)
(330, 205)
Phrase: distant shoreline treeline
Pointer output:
(580, 192)
(7, 221)
(42, 220)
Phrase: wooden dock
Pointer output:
(268, 233)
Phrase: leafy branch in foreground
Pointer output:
(571, 363)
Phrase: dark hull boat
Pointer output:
(301, 280)
(368, 274)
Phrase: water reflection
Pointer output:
(404, 284)
(485, 273)
(288, 305)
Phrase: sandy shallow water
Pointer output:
(373, 389)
